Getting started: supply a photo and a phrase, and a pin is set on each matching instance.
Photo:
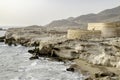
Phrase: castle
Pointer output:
(96, 30)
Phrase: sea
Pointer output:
(15, 65)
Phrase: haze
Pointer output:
(41, 12)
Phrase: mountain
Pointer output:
(63, 23)
(109, 15)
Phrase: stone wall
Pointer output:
(107, 29)
(82, 34)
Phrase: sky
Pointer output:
(42, 12)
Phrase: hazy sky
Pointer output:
(41, 12)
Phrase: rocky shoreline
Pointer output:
(99, 59)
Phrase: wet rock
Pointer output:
(46, 50)
(104, 74)
(36, 44)
(73, 68)
(31, 51)
(2, 39)
(70, 69)
(36, 50)
(34, 57)
(89, 78)
(10, 41)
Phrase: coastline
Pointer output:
(92, 57)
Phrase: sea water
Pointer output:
(15, 65)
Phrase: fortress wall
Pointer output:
(95, 30)
(95, 26)
(118, 32)
(99, 26)
(82, 34)
(107, 29)
(118, 24)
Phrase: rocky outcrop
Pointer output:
(100, 52)
(2, 39)
(97, 53)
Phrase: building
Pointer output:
(107, 29)
(96, 30)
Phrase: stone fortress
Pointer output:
(96, 30)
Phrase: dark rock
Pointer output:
(46, 50)
(74, 52)
(31, 51)
(108, 74)
(73, 68)
(70, 69)
(59, 43)
(66, 47)
(36, 44)
(104, 74)
(97, 75)
(89, 78)
(56, 49)
(10, 41)
(2, 39)
(34, 57)
(36, 50)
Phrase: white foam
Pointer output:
(34, 63)
(17, 59)
(16, 78)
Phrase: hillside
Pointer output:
(109, 15)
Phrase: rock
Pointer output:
(36, 50)
(102, 59)
(36, 44)
(89, 78)
(111, 74)
(79, 48)
(70, 69)
(104, 74)
(34, 57)
(73, 68)
(46, 50)
(107, 78)
(74, 54)
(10, 41)
(2, 39)
(31, 51)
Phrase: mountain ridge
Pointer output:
(108, 15)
